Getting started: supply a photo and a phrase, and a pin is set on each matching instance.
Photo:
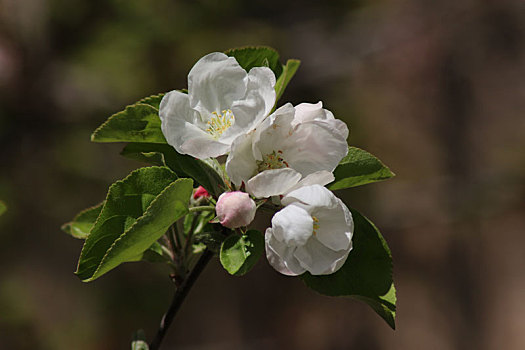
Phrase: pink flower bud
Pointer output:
(235, 209)
(200, 192)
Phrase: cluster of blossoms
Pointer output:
(287, 156)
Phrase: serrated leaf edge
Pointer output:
(122, 236)
(240, 48)
(362, 297)
(391, 173)
(106, 200)
(116, 115)
(142, 100)
(78, 215)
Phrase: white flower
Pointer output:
(235, 209)
(223, 102)
(304, 143)
(312, 233)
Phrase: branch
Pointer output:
(178, 298)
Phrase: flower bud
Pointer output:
(200, 192)
(235, 209)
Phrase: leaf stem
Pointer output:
(173, 240)
(176, 247)
(202, 208)
(189, 237)
(179, 228)
(178, 298)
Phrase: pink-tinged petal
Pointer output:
(200, 192)
(272, 182)
(281, 257)
(235, 209)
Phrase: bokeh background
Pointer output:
(435, 89)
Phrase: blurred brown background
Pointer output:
(435, 89)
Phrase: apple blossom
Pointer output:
(235, 209)
(223, 102)
(291, 145)
(313, 233)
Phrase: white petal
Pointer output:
(272, 182)
(314, 196)
(280, 256)
(309, 147)
(315, 146)
(259, 99)
(292, 225)
(214, 82)
(305, 112)
(319, 259)
(273, 130)
(335, 226)
(200, 145)
(178, 121)
(241, 164)
(335, 126)
(318, 178)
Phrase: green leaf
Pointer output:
(359, 168)
(203, 223)
(138, 151)
(154, 254)
(137, 212)
(261, 56)
(3, 207)
(366, 274)
(212, 240)
(288, 72)
(137, 123)
(153, 100)
(240, 253)
(257, 56)
(82, 224)
(183, 165)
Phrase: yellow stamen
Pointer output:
(272, 160)
(219, 123)
(316, 224)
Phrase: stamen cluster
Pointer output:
(287, 155)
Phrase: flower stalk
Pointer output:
(178, 299)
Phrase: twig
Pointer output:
(178, 298)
